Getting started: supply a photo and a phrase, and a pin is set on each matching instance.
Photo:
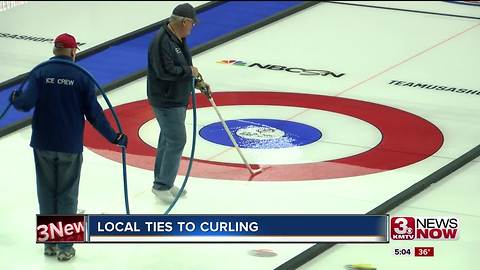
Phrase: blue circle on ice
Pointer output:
(261, 133)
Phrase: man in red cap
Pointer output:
(62, 95)
(169, 83)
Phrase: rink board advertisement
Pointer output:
(213, 228)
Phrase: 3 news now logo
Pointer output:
(60, 229)
(429, 228)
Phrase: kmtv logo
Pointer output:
(431, 228)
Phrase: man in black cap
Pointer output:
(169, 83)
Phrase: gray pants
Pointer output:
(171, 142)
(58, 177)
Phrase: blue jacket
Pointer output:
(169, 76)
(62, 95)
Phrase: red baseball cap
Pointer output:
(66, 41)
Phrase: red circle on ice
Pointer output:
(406, 139)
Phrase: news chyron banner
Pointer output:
(213, 228)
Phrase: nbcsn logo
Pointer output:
(298, 70)
(424, 228)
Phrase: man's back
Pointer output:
(58, 118)
(62, 94)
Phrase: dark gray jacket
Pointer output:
(169, 76)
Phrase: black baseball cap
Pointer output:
(185, 10)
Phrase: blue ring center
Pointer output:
(261, 133)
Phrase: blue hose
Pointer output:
(6, 110)
(124, 163)
(192, 153)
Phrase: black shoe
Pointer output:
(65, 254)
(50, 251)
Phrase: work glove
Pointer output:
(201, 85)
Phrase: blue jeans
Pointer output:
(171, 142)
(58, 177)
